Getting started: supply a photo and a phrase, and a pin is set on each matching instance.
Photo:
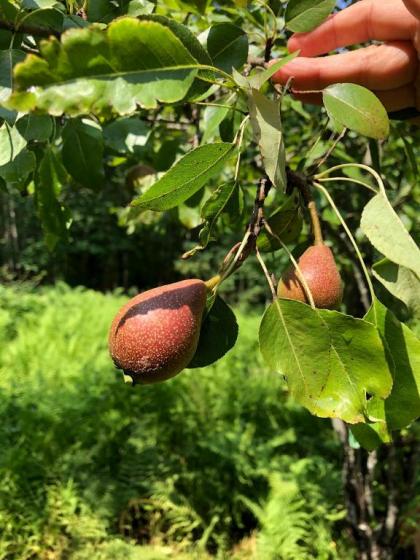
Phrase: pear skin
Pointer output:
(155, 335)
(318, 268)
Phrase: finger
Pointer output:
(397, 99)
(311, 98)
(393, 100)
(380, 67)
(413, 6)
(382, 20)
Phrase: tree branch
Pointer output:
(241, 251)
(268, 47)
(28, 29)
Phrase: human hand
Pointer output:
(391, 70)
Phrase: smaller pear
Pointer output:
(155, 335)
(320, 272)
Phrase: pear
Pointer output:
(155, 335)
(318, 268)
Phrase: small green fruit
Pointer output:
(155, 335)
(318, 268)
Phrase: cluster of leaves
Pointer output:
(93, 469)
(94, 93)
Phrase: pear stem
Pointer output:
(300, 182)
(316, 224)
(213, 282)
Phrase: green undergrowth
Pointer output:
(214, 463)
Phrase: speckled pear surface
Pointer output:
(318, 267)
(155, 335)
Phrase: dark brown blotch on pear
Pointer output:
(320, 272)
(155, 335)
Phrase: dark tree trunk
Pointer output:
(10, 234)
(378, 485)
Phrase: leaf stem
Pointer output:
(238, 140)
(331, 148)
(349, 180)
(214, 69)
(359, 166)
(299, 274)
(231, 107)
(266, 273)
(352, 240)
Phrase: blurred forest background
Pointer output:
(217, 462)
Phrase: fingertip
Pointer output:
(294, 43)
(279, 77)
(284, 74)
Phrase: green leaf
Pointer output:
(186, 177)
(286, 222)
(73, 20)
(101, 10)
(356, 108)
(268, 134)
(18, 169)
(196, 6)
(48, 180)
(411, 156)
(11, 144)
(210, 213)
(133, 63)
(331, 360)
(386, 232)
(37, 4)
(48, 19)
(8, 11)
(35, 127)
(218, 335)
(190, 41)
(370, 436)
(213, 208)
(304, 15)
(240, 80)
(227, 45)
(16, 161)
(403, 405)
(187, 38)
(401, 282)
(127, 134)
(83, 151)
(258, 79)
(8, 59)
(140, 7)
(211, 119)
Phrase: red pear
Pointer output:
(155, 335)
(318, 268)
